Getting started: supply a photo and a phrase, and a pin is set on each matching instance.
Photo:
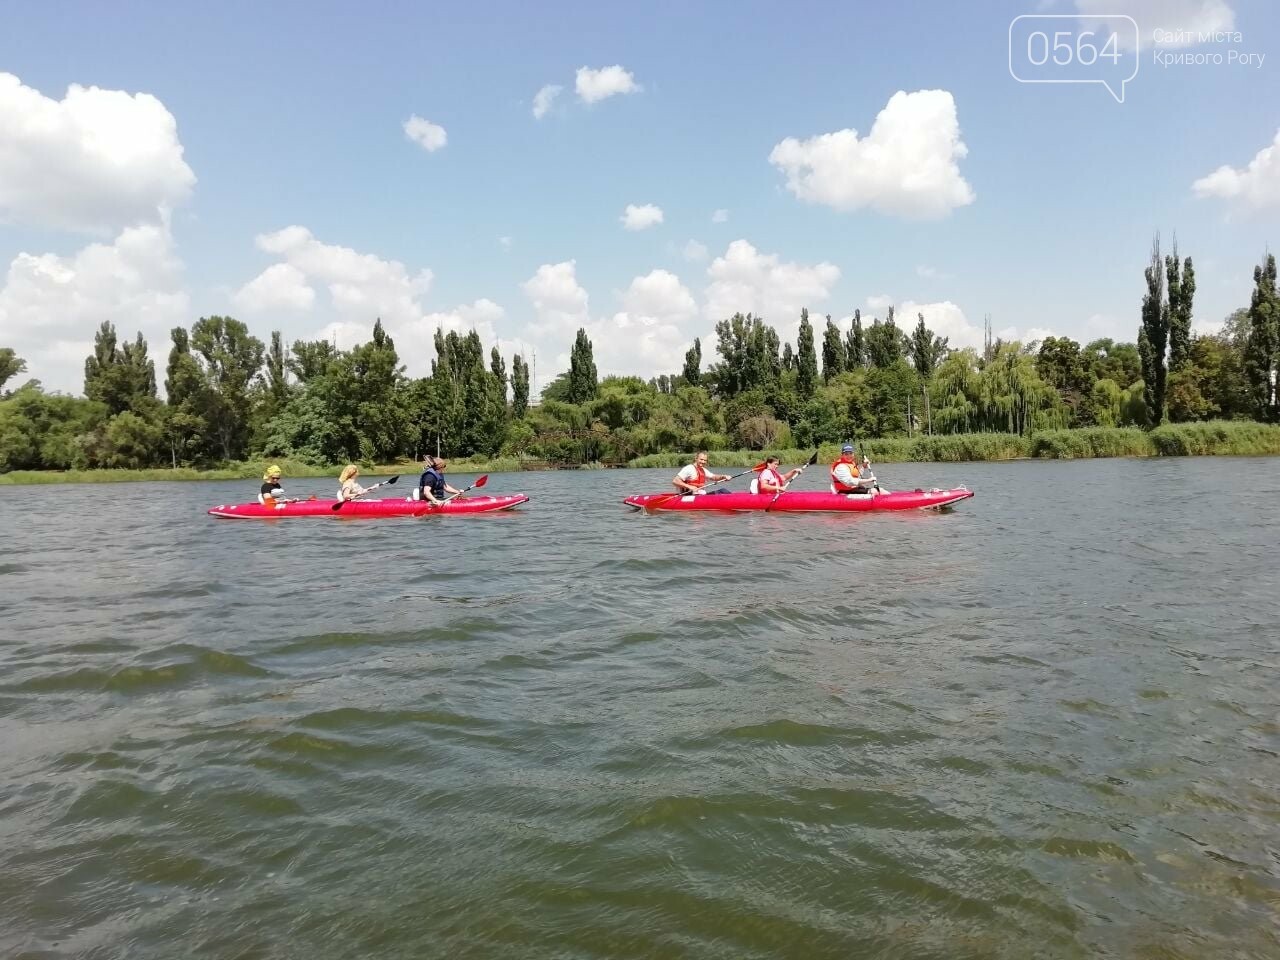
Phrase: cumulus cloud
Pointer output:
(559, 301)
(641, 217)
(907, 166)
(360, 285)
(544, 98)
(720, 216)
(430, 136)
(593, 86)
(647, 336)
(281, 286)
(1176, 23)
(50, 306)
(505, 243)
(1256, 187)
(95, 161)
(746, 280)
(879, 303)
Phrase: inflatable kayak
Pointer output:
(803, 501)
(368, 508)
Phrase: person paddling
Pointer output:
(693, 477)
(348, 488)
(845, 475)
(271, 494)
(771, 481)
(431, 485)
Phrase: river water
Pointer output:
(1045, 724)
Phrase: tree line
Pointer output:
(229, 396)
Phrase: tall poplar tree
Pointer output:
(806, 358)
(834, 355)
(1153, 337)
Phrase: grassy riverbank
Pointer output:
(1214, 438)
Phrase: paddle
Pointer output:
(812, 461)
(686, 493)
(341, 503)
(479, 483)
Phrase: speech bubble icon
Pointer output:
(1075, 48)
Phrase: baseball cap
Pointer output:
(847, 448)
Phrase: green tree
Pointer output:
(693, 363)
(884, 343)
(834, 355)
(1262, 350)
(856, 345)
(311, 358)
(1182, 292)
(10, 365)
(1153, 338)
(120, 377)
(806, 358)
(583, 381)
(927, 351)
(231, 360)
(519, 386)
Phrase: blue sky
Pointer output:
(253, 160)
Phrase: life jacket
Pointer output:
(700, 476)
(266, 496)
(757, 485)
(433, 481)
(837, 486)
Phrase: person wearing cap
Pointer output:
(271, 494)
(431, 485)
(693, 477)
(348, 488)
(845, 476)
(771, 480)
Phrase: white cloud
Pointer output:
(1255, 187)
(946, 319)
(430, 136)
(281, 286)
(361, 286)
(641, 217)
(51, 306)
(720, 216)
(646, 338)
(559, 301)
(544, 98)
(907, 165)
(505, 242)
(1179, 22)
(745, 280)
(595, 85)
(926, 272)
(95, 161)
(694, 251)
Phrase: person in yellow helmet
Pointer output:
(348, 488)
(271, 494)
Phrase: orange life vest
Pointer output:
(700, 477)
(844, 487)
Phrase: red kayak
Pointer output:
(803, 501)
(368, 508)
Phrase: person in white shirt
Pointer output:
(845, 476)
(693, 478)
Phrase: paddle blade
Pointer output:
(482, 481)
(813, 459)
(397, 477)
(338, 505)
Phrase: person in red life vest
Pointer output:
(845, 476)
(771, 481)
(694, 477)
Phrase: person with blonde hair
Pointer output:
(348, 488)
(271, 493)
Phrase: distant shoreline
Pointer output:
(1212, 438)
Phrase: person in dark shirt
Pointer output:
(431, 485)
(271, 493)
